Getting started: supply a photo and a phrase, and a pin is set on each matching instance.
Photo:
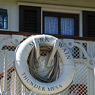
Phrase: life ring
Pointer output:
(28, 80)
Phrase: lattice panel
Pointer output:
(9, 81)
(79, 85)
(76, 52)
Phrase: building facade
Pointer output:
(68, 20)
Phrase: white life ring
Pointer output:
(30, 82)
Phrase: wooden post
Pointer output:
(94, 78)
(5, 72)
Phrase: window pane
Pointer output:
(1, 25)
(1, 18)
(67, 26)
(5, 18)
(51, 25)
(5, 22)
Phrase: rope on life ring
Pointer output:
(44, 64)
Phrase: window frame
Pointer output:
(64, 15)
(3, 12)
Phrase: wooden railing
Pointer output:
(58, 36)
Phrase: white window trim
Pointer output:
(57, 6)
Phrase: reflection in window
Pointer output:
(51, 25)
(3, 19)
(67, 26)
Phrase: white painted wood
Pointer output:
(94, 78)
(41, 21)
(56, 6)
(14, 84)
(62, 10)
(91, 83)
(14, 18)
(91, 72)
(94, 68)
(80, 25)
(5, 72)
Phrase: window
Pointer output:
(53, 23)
(88, 24)
(3, 19)
(62, 24)
(30, 19)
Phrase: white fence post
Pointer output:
(94, 78)
(5, 72)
